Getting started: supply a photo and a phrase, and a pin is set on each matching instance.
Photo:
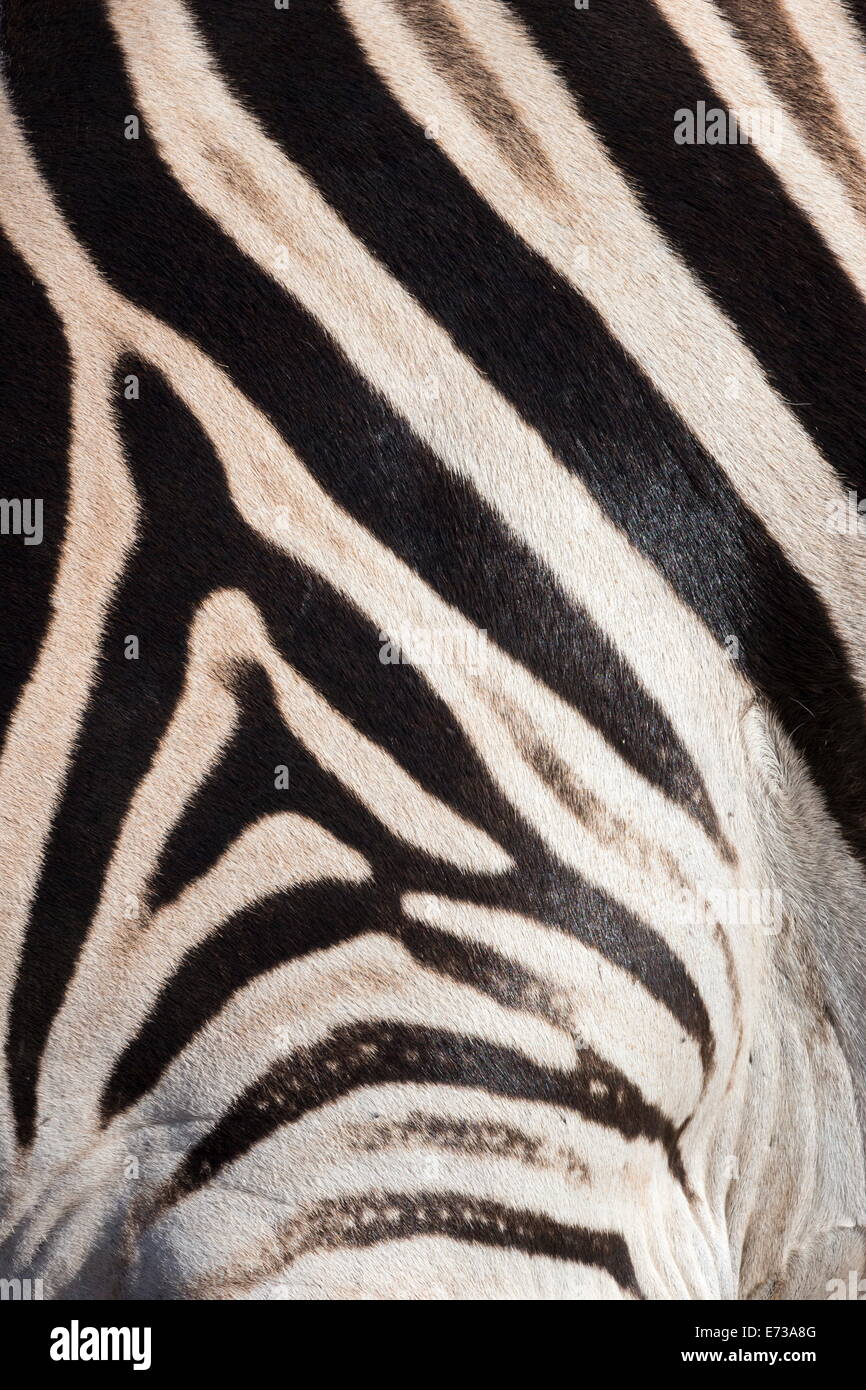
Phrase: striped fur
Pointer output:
(334, 967)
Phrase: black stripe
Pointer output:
(34, 428)
(723, 208)
(857, 11)
(535, 337)
(385, 1053)
(487, 970)
(371, 1218)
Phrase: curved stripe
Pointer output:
(469, 1138)
(373, 1218)
(377, 1053)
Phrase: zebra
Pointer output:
(434, 780)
